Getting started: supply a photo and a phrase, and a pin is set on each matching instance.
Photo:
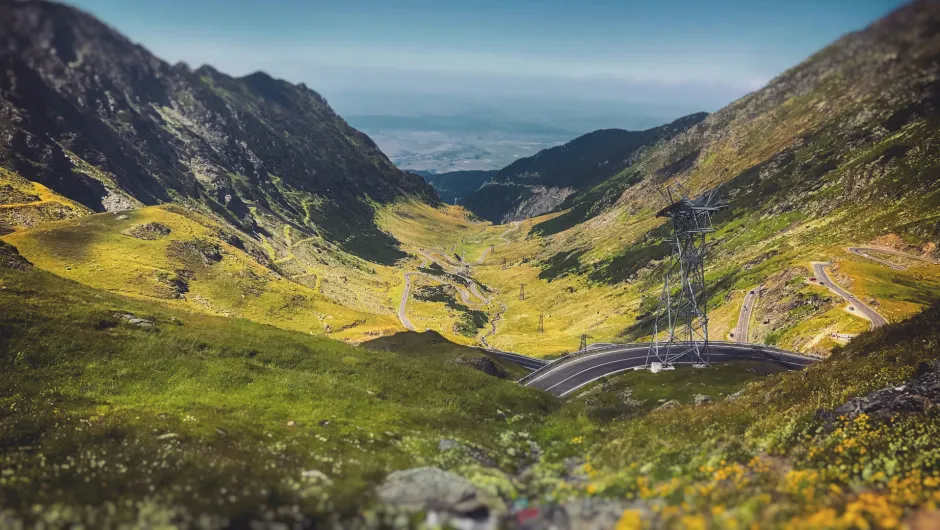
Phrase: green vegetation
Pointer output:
(179, 364)
(437, 349)
(639, 392)
(191, 414)
(228, 418)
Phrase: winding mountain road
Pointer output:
(427, 257)
(876, 320)
(402, 316)
(515, 226)
(568, 376)
(744, 319)
(865, 253)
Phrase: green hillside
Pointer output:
(223, 307)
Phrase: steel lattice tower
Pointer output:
(683, 316)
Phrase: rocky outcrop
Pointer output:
(149, 231)
(542, 200)
(485, 365)
(918, 395)
(11, 259)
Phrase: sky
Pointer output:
(663, 57)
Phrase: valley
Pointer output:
(222, 305)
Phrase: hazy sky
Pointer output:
(669, 56)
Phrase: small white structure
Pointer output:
(657, 367)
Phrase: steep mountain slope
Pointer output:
(455, 185)
(101, 121)
(540, 183)
(824, 134)
(827, 156)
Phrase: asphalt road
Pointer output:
(744, 319)
(529, 363)
(404, 302)
(576, 373)
(865, 253)
(876, 320)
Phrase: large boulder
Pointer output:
(448, 499)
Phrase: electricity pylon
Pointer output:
(683, 316)
(521, 291)
(541, 323)
(583, 345)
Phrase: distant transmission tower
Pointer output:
(521, 291)
(541, 323)
(683, 317)
(583, 345)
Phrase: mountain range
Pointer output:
(98, 119)
(223, 306)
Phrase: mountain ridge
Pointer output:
(102, 121)
(543, 182)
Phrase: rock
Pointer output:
(592, 513)
(168, 436)
(324, 423)
(149, 231)
(736, 396)
(702, 399)
(923, 519)
(917, 395)
(131, 319)
(11, 259)
(447, 445)
(196, 252)
(449, 499)
(291, 423)
(122, 217)
(574, 470)
(317, 475)
(671, 404)
(485, 365)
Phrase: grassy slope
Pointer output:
(767, 458)
(219, 414)
(95, 250)
(31, 203)
(434, 347)
(639, 392)
(824, 157)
